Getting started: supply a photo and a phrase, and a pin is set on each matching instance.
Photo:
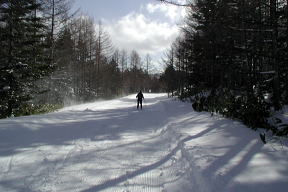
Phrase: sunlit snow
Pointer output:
(112, 146)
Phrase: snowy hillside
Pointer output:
(111, 146)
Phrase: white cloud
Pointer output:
(174, 13)
(136, 31)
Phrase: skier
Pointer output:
(139, 99)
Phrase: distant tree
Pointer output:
(135, 60)
(123, 60)
(148, 60)
(169, 78)
(104, 51)
(111, 79)
(135, 64)
(61, 81)
(56, 14)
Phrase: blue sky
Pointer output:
(146, 26)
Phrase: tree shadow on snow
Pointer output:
(62, 128)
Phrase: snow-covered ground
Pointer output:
(111, 146)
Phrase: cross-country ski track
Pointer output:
(112, 146)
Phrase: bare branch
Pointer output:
(171, 2)
(175, 3)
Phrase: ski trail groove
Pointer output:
(10, 164)
(145, 169)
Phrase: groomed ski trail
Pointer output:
(102, 146)
(111, 146)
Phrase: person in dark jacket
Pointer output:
(139, 97)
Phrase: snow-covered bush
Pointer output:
(251, 110)
(30, 109)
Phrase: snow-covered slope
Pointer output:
(111, 146)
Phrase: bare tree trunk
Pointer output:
(274, 26)
(52, 31)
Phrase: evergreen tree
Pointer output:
(232, 58)
(21, 60)
(169, 78)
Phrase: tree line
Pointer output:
(50, 55)
(232, 58)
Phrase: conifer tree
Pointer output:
(232, 58)
(21, 60)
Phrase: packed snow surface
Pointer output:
(112, 146)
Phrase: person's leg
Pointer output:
(141, 103)
(137, 104)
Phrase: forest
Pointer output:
(52, 56)
(214, 120)
(231, 58)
